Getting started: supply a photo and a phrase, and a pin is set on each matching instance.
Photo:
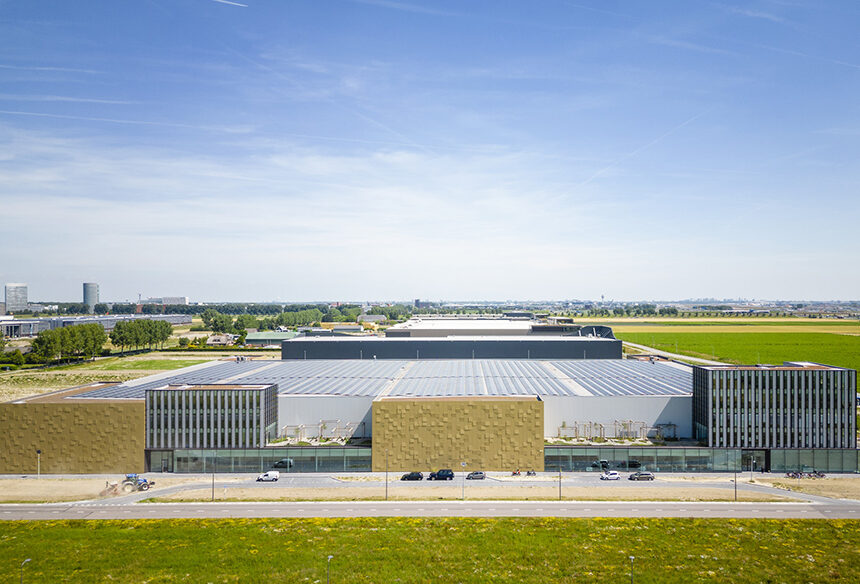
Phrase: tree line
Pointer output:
(140, 333)
(78, 341)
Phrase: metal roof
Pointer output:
(440, 378)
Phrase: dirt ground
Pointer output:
(835, 487)
(453, 492)
(32, 490)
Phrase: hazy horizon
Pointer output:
(387, 149)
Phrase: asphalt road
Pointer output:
(834, 509)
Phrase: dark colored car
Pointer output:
(476, 475)
(643, 475)
(445, 474)
(284, 463)
(412, 476)
(601, 464)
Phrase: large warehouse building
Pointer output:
(439, 410)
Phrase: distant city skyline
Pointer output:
(274, 151)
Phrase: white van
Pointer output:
(271, 475)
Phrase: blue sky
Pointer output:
(301, 150)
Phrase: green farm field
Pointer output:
(755, 347)
(474, 550)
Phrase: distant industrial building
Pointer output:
(91, 295)
(460, 347)
(443, 326)
(16, 298)
(30, 327)
(167, 300)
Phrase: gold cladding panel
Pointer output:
(74, 438)
(429, 434)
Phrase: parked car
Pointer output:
(604, 464)
(270, 475)
(412, 476)
(610, 475)
(642, 475)
(445, 474)
(284, 463)
(476, 475)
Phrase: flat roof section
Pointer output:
(436, 378)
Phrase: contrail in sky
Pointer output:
(641, 148)
(230, 3)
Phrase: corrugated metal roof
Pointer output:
(369, 378)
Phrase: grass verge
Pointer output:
(467, 550)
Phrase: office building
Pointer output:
(211, 416)
(795, 405)
(16, 298)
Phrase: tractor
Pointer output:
(132, 482)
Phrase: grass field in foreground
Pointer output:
(433, 550)
(756, 347)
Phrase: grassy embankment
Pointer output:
(437, 550)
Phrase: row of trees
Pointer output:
(140, 333)
(81, 340)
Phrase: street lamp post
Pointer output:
(38, 463)
(631, 568)
(559, 481)
(463, 464)
(386, 474)
(328, 571)
(736, 484)
(22, 569)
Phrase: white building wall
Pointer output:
(651, 410)
(310, 410)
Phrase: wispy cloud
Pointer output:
(405, 7)
(751, 13)
(229, 129)
(63, 98)
(230, 3)
(668, 42)
(809, 56)
(58, 69)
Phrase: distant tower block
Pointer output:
(16, 297)
(91, 295)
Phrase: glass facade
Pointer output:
(257, 460)
(568, 458)
(667, 459)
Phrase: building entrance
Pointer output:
(755, 461)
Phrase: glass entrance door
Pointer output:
(754, 461)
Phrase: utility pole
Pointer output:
(386, 474)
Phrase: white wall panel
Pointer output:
(651, 410)
(294, 410)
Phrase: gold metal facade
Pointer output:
(102, 437)
(490, 434)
